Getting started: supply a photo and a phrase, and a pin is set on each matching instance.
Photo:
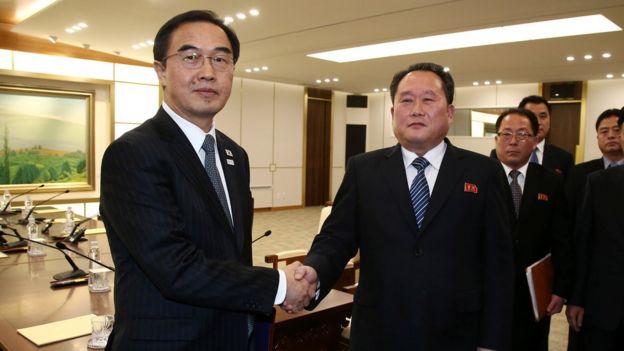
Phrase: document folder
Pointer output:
(540, 279)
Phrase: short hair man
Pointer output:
(433, 234)
(548, 155)
(597, 304)
(178, 217)
(536, 200)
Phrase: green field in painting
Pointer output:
(39, 165)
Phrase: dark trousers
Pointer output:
(603, 340)
(575, 342)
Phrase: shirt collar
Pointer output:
(522, 170)
(434, 156)
(193, 133)
(540, 146)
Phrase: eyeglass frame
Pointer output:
(521, 136)
(183, 54)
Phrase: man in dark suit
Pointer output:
(430, 222)
(608, 137)
(546, 154)
(538, 227)
(178, 208)
(597, 304)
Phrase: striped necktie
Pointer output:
(419, 190)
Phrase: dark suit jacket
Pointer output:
(575, 184)
(447, 286)
(599, 243)
(539, 229)
(183, 277)
(555, 158)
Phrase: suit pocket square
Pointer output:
(542, 197)
(471, 188)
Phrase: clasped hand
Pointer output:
(301, 285)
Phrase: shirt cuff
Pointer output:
(281, 288)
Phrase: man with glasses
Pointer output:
(177, 207)
(535, 205)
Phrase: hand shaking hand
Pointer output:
(301, 285)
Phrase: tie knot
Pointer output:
(209, 142)
(420, 163)
(514, 174)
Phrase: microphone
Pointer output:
(21, 242)
(76, 235)
(267, 233)
(61, 246)
(5, 212)
(25, 219)
(46, 228)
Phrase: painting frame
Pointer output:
(57, 148)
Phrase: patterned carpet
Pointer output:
(295, 229)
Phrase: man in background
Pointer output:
(177, 207)
(597, 304)
(432, 228)
(535, 202)
(608, 137)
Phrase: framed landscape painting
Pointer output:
(46, 138)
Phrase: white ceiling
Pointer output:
(287, 30)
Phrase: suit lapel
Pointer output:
(190, 166)
(396, 180)
(450, 172)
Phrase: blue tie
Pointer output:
(419, 190)
(213, 173)
(534, 158)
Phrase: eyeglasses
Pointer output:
(521, 135)
(194, 59)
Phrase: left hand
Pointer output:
(555, 305)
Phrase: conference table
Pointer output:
(26, 300)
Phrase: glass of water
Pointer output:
(101, 327)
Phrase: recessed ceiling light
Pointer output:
(254, 12)
(228, 19)
(487, 82)
(499, 82)
(327, 80)
(69, 30)
(384, 89)
(376, 90)
(570, 58)
(475, 83)
(150, 42)
(319, 81)
(606, 55)
(241, 16)
(82, 25)
(143, 45)
(622, 75)
(265, 68)
(446, 69)
(76, 28)
(248, 70)
(335, 79)
(488, 36)
(256, 69)
(609, 75)
(136, 47)
(588, 57)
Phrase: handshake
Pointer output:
(301, 286)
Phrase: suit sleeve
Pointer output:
(495, 325)
(561, 245)
(582, 242)
(138, 204)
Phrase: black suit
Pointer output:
(447, 286)
(599, 243)
(574, 192)
(183, 277)
(554, 158)
(538, 230)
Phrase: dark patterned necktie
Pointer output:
(419, 190)
(213, 173)
(516, 191)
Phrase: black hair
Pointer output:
(612, 112)
(447, 79)
(161, 42)
(535, 99)
(519, 111)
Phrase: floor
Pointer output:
(295, 229)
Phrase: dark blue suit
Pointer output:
(447, 286)
(183, 278)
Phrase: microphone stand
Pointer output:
(21, 242)
(4, 211)
(75, 236)
(25, 219)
